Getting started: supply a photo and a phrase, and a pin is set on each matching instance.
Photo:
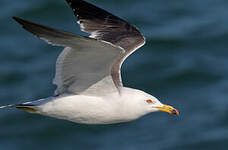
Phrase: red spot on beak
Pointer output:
(175, 112)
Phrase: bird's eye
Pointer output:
(149, 101)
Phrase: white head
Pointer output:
(154, 104)
(142, 103)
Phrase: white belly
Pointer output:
(84, 109)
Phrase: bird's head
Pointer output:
(153, 105)
(156, 105)
(149, 103)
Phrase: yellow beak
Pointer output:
(168, 109)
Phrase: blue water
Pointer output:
(184, 63)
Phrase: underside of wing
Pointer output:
(85, 64)
(103, 25)
(81, 69)
(89, 63)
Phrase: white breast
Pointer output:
(113, 108)
(84, 109)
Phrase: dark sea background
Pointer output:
(184, 64)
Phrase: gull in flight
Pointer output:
(88, 77)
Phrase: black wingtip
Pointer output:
(19, 20)
(14, 17)
(27, 25)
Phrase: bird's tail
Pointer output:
(25, 107)
(7, 106)
(31, 107)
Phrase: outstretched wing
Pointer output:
(103, 25)
(84, 66)
(90, 65)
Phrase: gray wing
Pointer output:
(84, 66)
(103, 25)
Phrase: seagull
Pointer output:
(88, 71)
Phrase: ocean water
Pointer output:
(184, 64)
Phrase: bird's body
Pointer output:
(110, 108)
(88, 77)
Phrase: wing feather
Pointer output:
(105, 26)
(88, 63)
(82, 64)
